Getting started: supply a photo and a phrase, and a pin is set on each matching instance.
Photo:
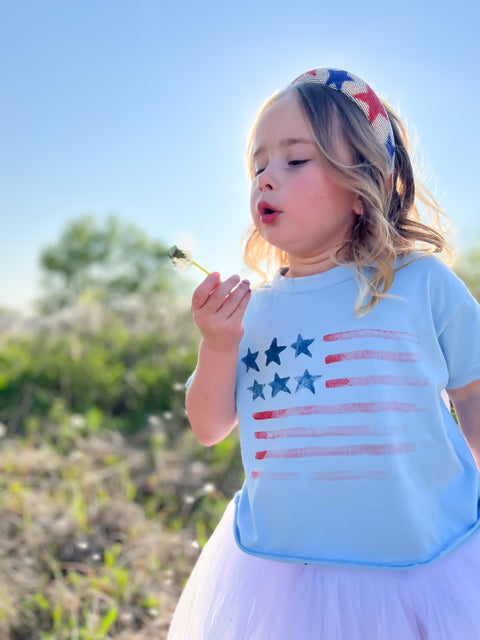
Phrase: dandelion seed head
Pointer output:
(77, 421)
(208, 487)
(82, 544)
(181, 260)
(154, 421)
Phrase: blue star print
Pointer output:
(279, 384)
(301, 346)
(337, 78)
(307, 381)
(249, 360)
(257, 390)
(273, 352)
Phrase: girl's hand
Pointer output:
(218, 309)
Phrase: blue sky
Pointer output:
(142, 108)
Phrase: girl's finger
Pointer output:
(220, 293)
(235, 298)
(203, 291)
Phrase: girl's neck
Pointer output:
(302, 267)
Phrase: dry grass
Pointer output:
(97, 541)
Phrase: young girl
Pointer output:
(359, 514)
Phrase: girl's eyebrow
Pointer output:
(285, 142)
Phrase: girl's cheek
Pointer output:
(253, 205)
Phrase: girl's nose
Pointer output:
(266, 180)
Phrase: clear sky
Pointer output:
(142, 108)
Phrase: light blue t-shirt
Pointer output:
(351, 455)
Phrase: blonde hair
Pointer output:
(390, 225)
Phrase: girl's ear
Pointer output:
(357, 206)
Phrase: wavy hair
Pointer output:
(390, 225)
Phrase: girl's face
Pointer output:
(296, 204)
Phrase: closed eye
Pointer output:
(258, 172)
(296, 163)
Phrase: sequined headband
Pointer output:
(364, 97)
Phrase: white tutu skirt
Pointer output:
(231, 595)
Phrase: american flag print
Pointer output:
(290, 389)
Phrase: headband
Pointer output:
(364, 97)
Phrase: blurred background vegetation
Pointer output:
(106, 497)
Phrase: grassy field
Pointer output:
(106, 497)
(98, 534)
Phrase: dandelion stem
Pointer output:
(199, 267)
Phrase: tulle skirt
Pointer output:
(231, 595)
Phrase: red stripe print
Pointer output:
(371, 333)
(317, 432)
(371, 354)
(367, 380)
(274, 475)
(343, 450)
(349, 475)
(333, 409)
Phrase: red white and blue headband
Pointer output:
(364, 97)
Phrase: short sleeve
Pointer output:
(189, 381)
(460, 343)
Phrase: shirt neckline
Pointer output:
(316, 282)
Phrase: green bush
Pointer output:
(126, 363)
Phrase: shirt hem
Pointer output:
(306, 560)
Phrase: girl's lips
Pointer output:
(268, 213)
(268, 218)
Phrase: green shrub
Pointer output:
(122, 364)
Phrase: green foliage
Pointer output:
(111, 367)
(105, 261)
(468, 269)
